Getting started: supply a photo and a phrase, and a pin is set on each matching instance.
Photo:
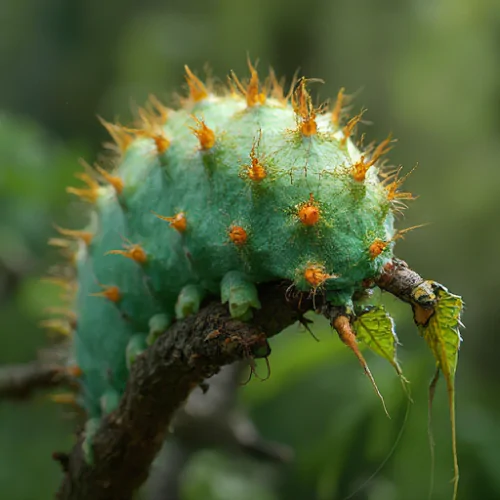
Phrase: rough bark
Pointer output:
(21, 381)
(399, 280)
(161, 379)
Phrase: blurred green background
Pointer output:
(429, 71)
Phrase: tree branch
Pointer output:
(20, 381)
(190, 351)
(398, 279)
(160, 381)
(211, 418)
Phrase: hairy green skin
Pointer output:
(212, 188)
(227, 192)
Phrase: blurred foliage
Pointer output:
(426, 70)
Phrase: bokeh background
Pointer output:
(428, 71)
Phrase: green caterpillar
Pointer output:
(236, 187)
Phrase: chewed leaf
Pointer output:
(441, 332)
(375, 328)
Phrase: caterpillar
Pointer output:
(239, 185)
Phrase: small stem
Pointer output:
(21, 381)
(398, 279)
(342, 324)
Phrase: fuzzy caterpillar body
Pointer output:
(236, 187)
(228, 191)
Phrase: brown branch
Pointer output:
(160, 381)
(164, 375)
(20, 381)
(212, 417)
(399, 280)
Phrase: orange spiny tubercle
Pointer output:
(197, 89)
(349, 128)
(315, 275)
(110, 292)
(134, 252)
(255, 171)
(303, 107)
(159, 107)
(276, 88)
(392, 188)
(89, 193)
(337, 110)
(251, 92)
(238, 235)
(377, 247)
(161, 142)
(309, 213)
(121, 135)
(114, 180)
(85, 236)
(205, 135)
(155, 111)
(383, 148)
(360, 168)
(178, 221)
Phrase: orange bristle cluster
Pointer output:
(151, 125)
(348, 130)
(205, 135)
(178, 221)
(276, 88)
(115, 181)
(251, 91)
(337, 110)
(315, 275)
(255, 171)
(110, 292)
(392, 188)
(121, 135)
(238, 235)
(133, 252)
(85, 236)
(360, 168)
(304, 109)
(90, 193)
(197, 89)
(377, 247)
(309, 213)
(154, 112)
(57, 325)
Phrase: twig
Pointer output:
(20, 381)
(399, 280)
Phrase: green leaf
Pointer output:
(441, 332)
(375, 328)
